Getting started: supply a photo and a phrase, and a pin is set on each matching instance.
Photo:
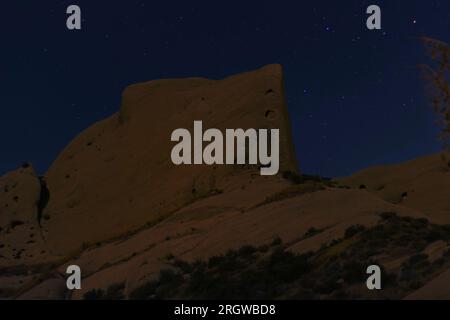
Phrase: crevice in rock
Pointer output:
(269, 114)
(44, 197)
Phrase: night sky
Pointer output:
(355, 96)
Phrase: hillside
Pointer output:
(140, 227)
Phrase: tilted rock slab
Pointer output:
(117, 175)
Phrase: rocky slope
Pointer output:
(114, 204)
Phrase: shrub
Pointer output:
(293, 177)
(215, 261)
(388, 215)
(354, 271)
(145, 292)
(246, 251)
(25, 165)
(296, 178)
(94, 294)
(165, 286)
(183, 266)
(115, 292)
(434, 235)
(277, 241)
(353, 230)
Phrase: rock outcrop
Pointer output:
(421, 184)
(21, 198)
(117, 175)
(115, 205)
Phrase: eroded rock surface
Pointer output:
(117, 175)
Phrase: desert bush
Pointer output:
(330, 272)
(246, 251)
(388, 215)
(144, 292)
(94, 294)
(277, 241)
(354, 271)
(164, 287)
(353, 230)
(296, 178)
(114, 292)
(182, 265)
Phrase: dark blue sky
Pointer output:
(355, 96)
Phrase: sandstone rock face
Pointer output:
(20, 232)
(114, 204)
(214, 225)
(422, 184)
(117, 175)
(50, 289)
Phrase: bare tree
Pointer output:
(436, 74)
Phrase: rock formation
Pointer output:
(117, 175)
(22, 194)
(114, 204)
